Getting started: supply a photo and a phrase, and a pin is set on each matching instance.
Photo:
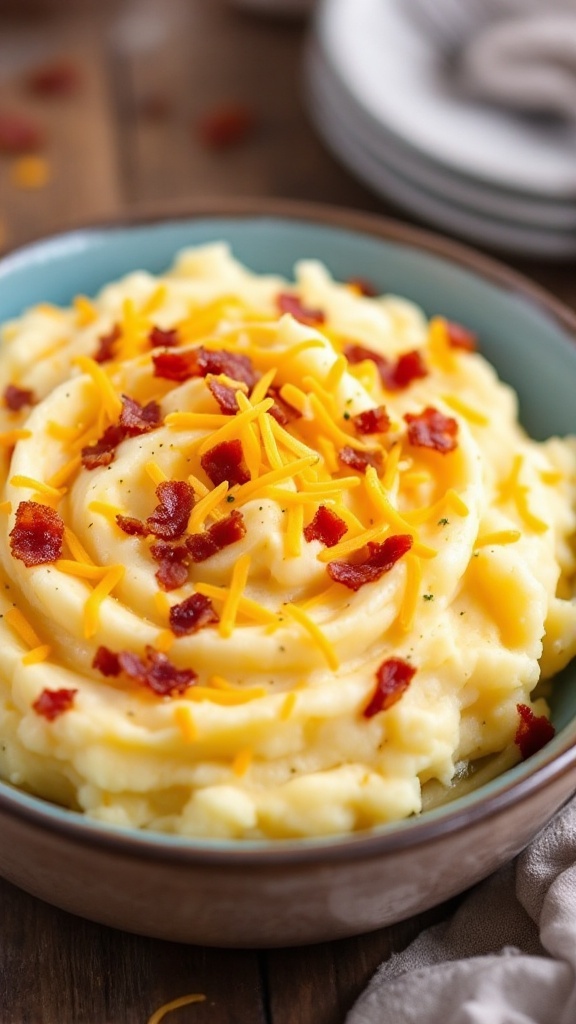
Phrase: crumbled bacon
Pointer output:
(408, 367)
(157, 672)
(199, 362)
(392, 680)
(172, 564)
(282, 411)
(132, 526)
(178, 366)
(363, 287)
(288, 303)
(394, 376)
(372, 421)
(360, 460)
(220, 535)
(233, 364)
(432, 429)
(106, 345)
(102, 451)
(59, 78)
(38, 534)
(19, 134)
(195, 613)
(533, 732)
(52, 703)
(461, 337)
(170, 517)
(225, 461)
(136, 419)
(106, 662)
(16, 398)
(381, 558)
(159, 338)
(227, 126)
(225, 396)
(326, 526)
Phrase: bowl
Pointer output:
(287, 892)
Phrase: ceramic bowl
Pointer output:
(290, 892)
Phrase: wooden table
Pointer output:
(130, 135)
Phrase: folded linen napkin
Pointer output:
(508, 956)
(516, 53)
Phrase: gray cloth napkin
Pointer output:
(514, 53)
(508, 956)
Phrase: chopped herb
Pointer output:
(443, 522)
(230, 497)
(428, 597)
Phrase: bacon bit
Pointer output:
(178, 366)
(234, 365)
(106, 662)
(226, 126)
(19, 134)
(52, 703)
(199, 362)
(461, 337)
(326, 526)
(393, 679)
(226, 462)
(372, 421)
(157, 672)
(220, 535)
(106, 344)
(360, 460)
(408, 367)
(282, 411)
(394, 376)
(170, 518)
(132, 526)
(163, 339)
(359, 353)
(60, 78)
(136, 419)
(287, 303)
(363, 287)
(432, 429)
(38, 534)
(225, 396)
(195, 613)
(16, 398)
(102, 451)
(533, 732)
(382, 557)
(173, 564)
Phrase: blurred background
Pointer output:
(444, 113)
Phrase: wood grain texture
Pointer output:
(58, 969)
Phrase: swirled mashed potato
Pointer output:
(381, 559)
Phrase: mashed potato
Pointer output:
(273, 556)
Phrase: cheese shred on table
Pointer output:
(274, 555)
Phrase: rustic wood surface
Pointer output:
(150, 72)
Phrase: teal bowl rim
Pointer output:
(552, 764)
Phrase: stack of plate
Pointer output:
(380, 97)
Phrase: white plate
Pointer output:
(394, 72)
(479, 228)
(479, 197)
